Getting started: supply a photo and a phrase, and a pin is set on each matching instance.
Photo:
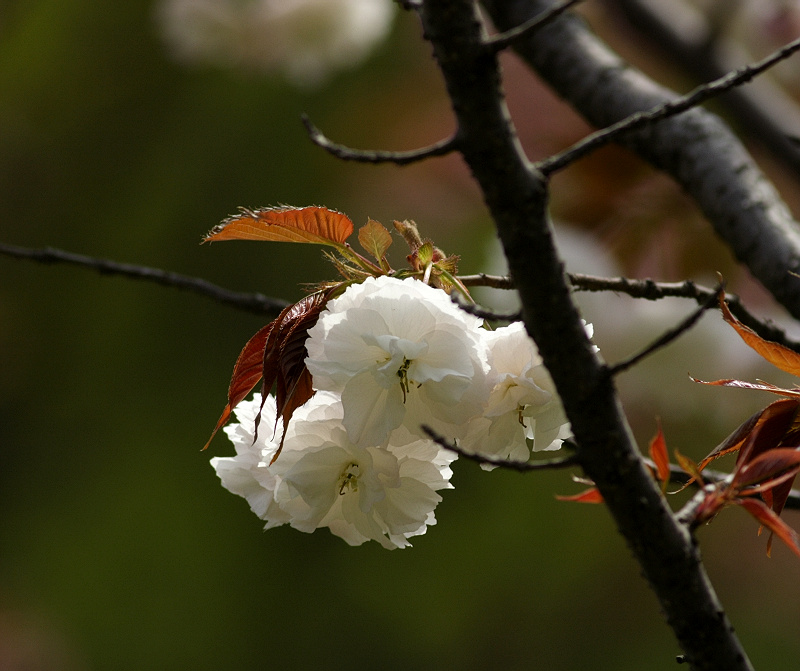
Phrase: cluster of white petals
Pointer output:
(522, 407)
(387, 358)
(304, 39)
(321, 479)
(399, 353)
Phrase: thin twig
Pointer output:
(666, 338)
(484, 280)
(644, 288)
(251, 302)
(501, 41)
(519, 466)
(489, 315)
(671, 108)
(345, 153)
(766, 114)
(652, 290)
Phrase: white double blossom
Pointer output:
(387, 357)
(245, 474)
(321, 479)
(399, 353)
(522, 406)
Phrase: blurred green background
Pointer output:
(118, 547)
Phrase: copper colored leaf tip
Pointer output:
(285, 224)
(591, 495)
(658, 453)
(778, 355)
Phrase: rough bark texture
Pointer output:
(695, 148)
(517, 198)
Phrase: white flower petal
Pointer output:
(398, 352)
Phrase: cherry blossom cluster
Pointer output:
(387, 358)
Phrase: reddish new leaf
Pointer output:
(775, 524)
(734, 441)
(591, 495)
(741, 384)
(285, 224)
(776, 354)
(768, 469)
(285, 354)
(246, 373)
(658, 453)
(776, 427)
(276, 353)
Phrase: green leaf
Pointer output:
(375, 239)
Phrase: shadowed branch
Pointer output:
(251, 302)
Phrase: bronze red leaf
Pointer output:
(246, 373)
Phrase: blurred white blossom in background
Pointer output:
(305, 40)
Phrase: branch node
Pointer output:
(667, 337)
(497, 43)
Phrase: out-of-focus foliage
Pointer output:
(118, 547)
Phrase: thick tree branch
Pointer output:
(250, 302)
(697, 149)
(763, 111)
(517, 198)
(665, 110)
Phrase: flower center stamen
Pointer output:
(520, 410)
(402, 373)
(349, 478)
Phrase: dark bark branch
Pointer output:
(667, 337)
(666, 110)
(651, 290)
(251, 302)
(764, 111)
(696, 149)
(441, 148)
(484, 280)
(489, 315)
(517, 198)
